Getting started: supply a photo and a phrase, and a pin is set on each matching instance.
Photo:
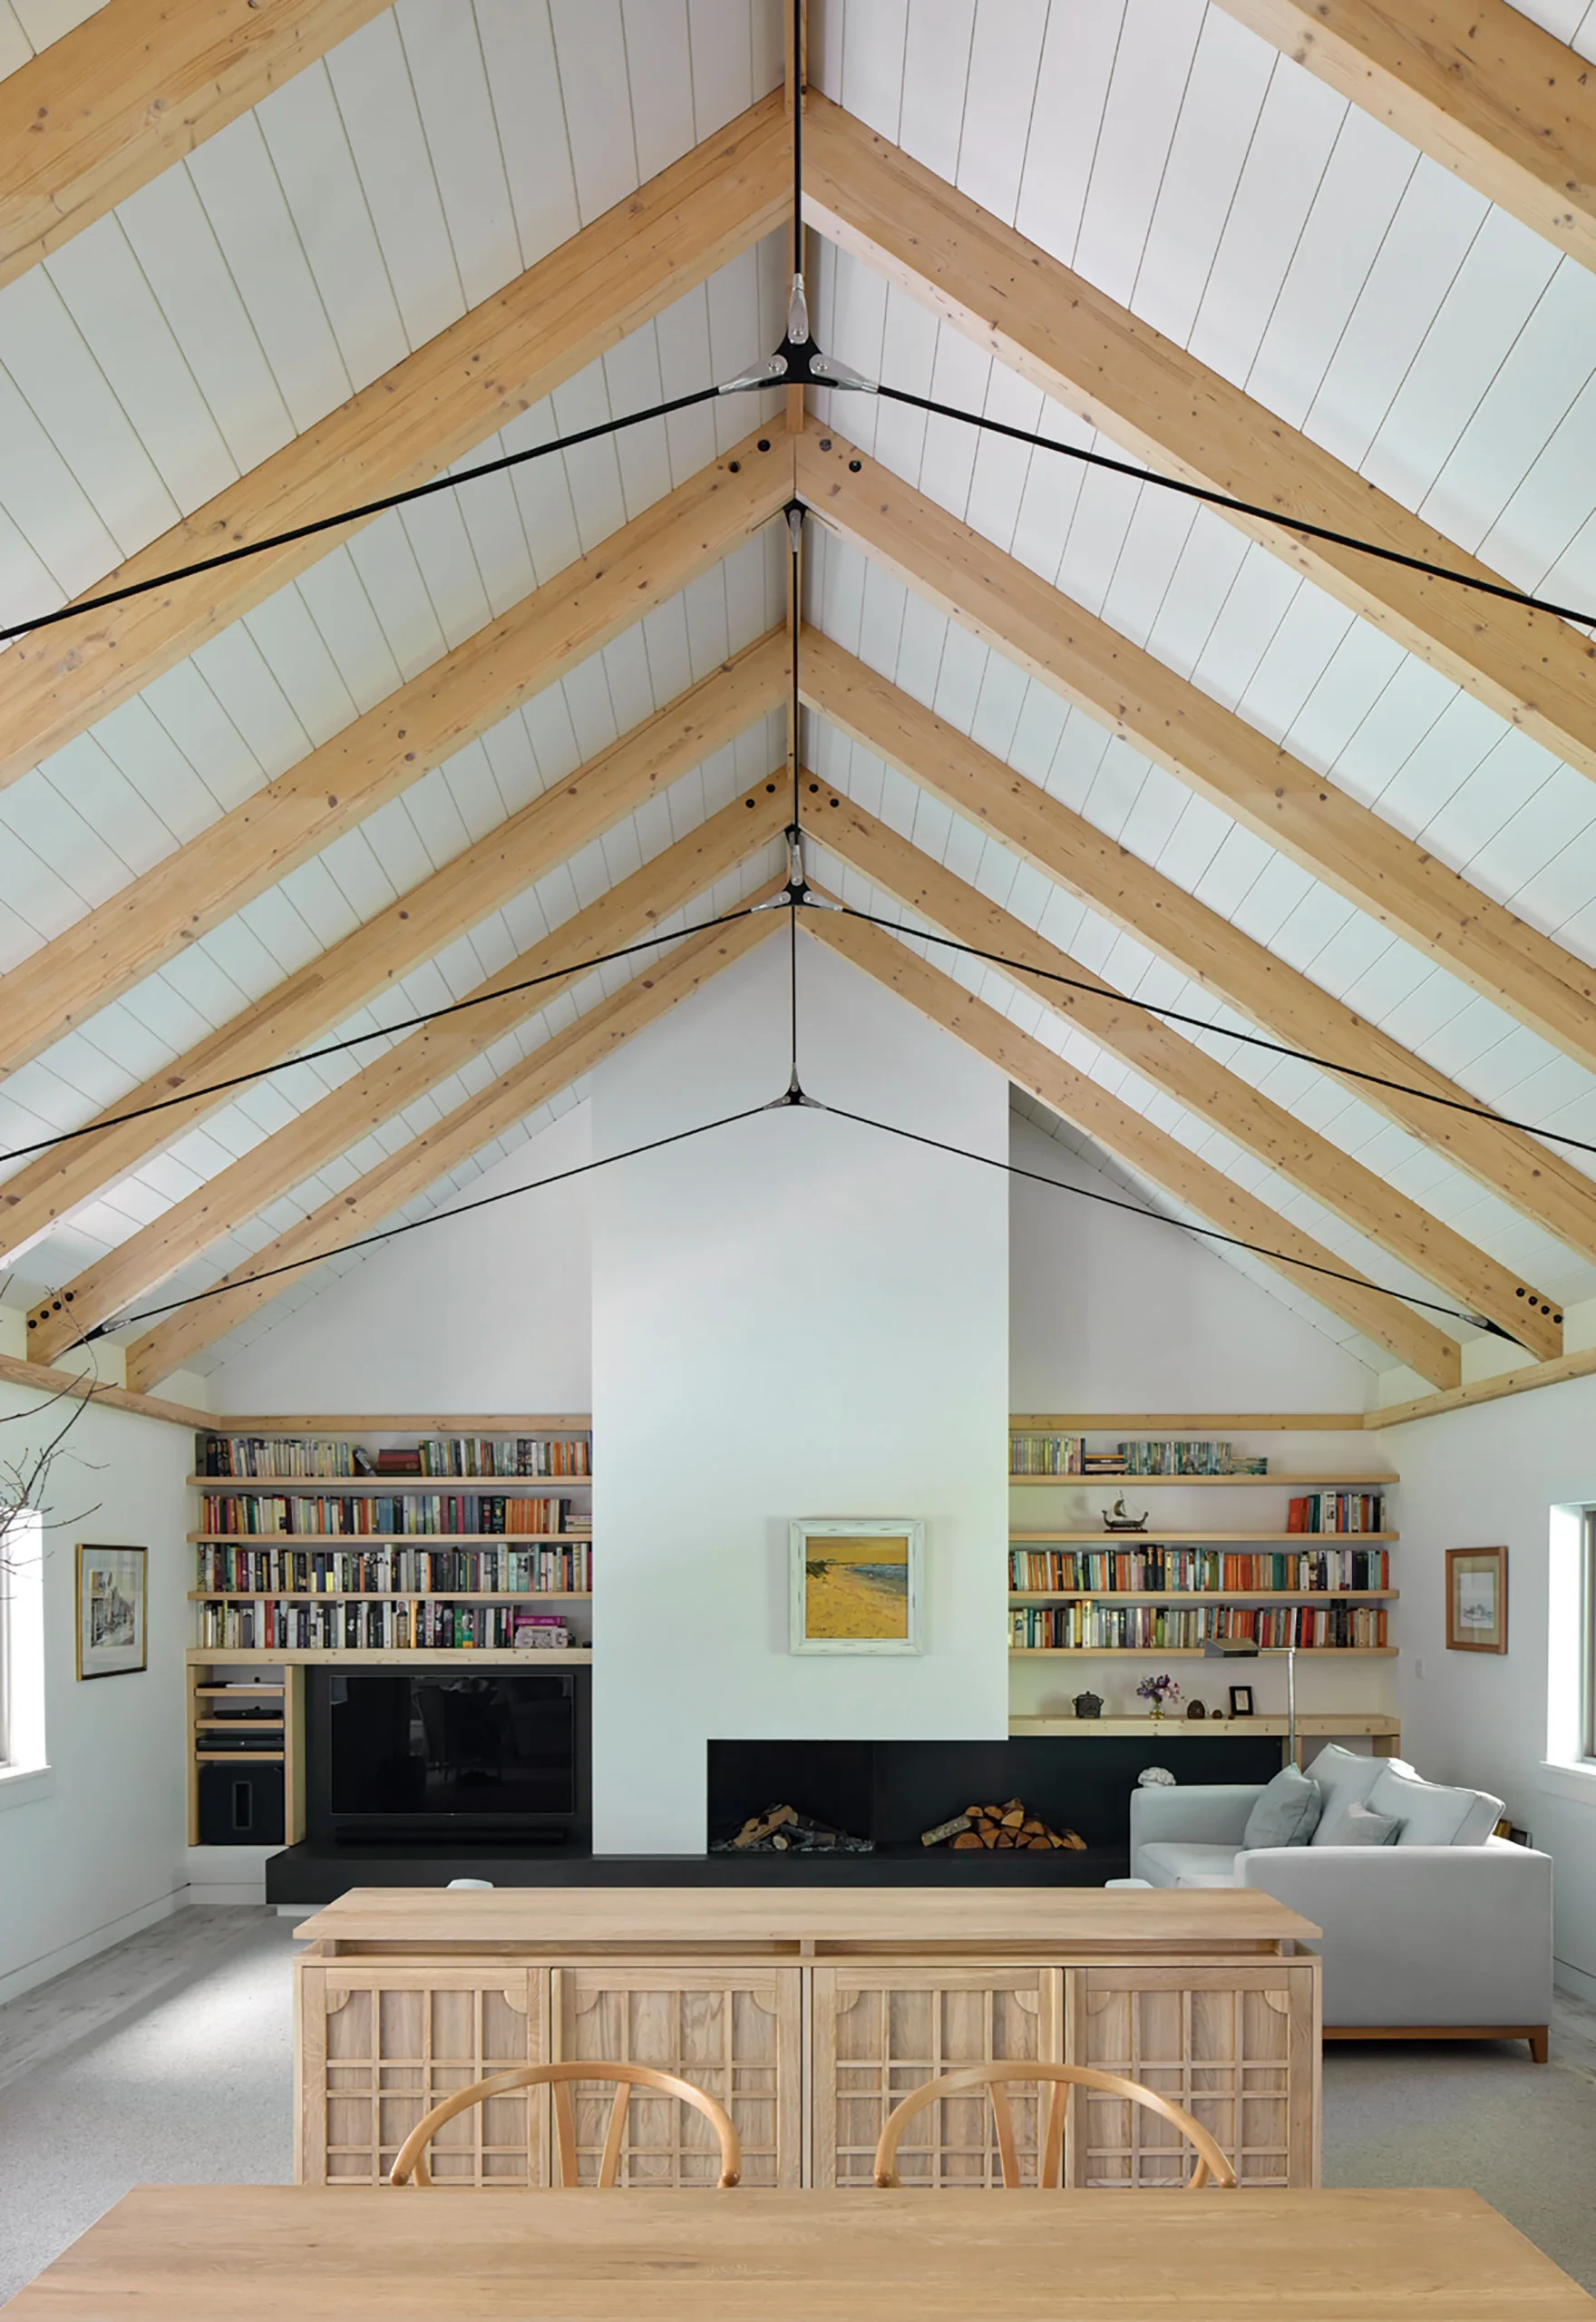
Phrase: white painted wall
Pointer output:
(489, 1313)
(92, 1848)
(1491, 1477)
(795, 1316)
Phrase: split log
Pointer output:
(945, 1831)
(761, 1826)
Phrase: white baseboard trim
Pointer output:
(39, 1970)
(1575, 1981)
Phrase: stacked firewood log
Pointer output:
(996, 1827)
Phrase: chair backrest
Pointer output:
(1211, 2162)
(411, 2165)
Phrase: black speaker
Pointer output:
(241, 1805)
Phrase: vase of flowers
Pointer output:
(1158, 1692)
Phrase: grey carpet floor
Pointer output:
(169, 2060)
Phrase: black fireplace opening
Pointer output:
(890, 1792)
(474, 1753)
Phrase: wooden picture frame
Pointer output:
(1240, 1700)
(112, 1607)
(1477, 1600)
(856, 1583)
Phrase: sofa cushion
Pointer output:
(1432, 1815)
(1345, 1777)
(1359, 1826)
(1285, 1812)
(1185, 1862)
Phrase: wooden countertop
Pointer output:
(187, 2253)
(1036, 1921)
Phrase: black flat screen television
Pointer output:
(485, 1753)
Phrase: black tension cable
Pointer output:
(380, 1032)
(413, 1225)
(1223, 499)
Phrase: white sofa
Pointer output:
(1453, 1941)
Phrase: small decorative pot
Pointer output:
(1088, 1705)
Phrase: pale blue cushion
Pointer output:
(1188, 1862)
(1432, 1815)
(1285, 1812)
(1356, 1826)
(1345, 1777)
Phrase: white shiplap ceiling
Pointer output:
(1293, 244)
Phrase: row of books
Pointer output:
(417, 1513)
(1131, 1628)
(398, 1625)
(405, 1571)
(1067, 1455)
(452, 1454)
(1120, 1571)
(1336, 1511)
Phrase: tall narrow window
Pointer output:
(22, 1643)
(1587, 1637)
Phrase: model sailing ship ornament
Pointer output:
(1118, 1518)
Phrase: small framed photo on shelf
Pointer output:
(1477, 1600)
(856, 1584)
(1240, 1700)
(112, 1589)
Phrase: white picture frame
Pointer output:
(857, 1584)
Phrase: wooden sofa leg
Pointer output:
(1538, 2043)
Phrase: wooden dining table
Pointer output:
(192, 2253)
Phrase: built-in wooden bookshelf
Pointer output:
(305, 1465)
(1328, 1512)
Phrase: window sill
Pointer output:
(1575, 1782)
(22, 1785)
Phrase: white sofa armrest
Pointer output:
(1211, 1814)
(1421, 1935)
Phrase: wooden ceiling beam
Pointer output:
(361, 1206)
(1176, 1064)
(332, 987)
(1066, 338)
(1533, 1177)
(1473, 83)
(406, 427)
(1154, 1155)
(401, 1074)
(141, 82)
(1169, 720)
(438, 712)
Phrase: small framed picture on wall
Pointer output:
(856, 1584)
(110, 1611)
(1240, 1700)
(1477, 1600)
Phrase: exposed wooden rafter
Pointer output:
(450, 703)
(1176, 1064)
(407, 427)
(1172, 722)
(505, 862)
(109, 105)
(1139, 1144)
(404, 1175)
(1473, 83)
(401, 1074)
(1061, 333)
(1041, 830)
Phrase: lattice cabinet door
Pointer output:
(1238, 2047)
(737, 2034)
(880, 2031)
(380, 2047)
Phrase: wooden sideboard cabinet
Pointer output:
(808, 2015)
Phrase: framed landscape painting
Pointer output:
(856, 1584)
(110, 1611)
(1477, 1600)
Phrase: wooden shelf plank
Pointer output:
(1193, 1652)
(202, 1656)
(1208, 1483)
(238, 1757)
(1312, 1726)
(395, 1486)
(393, 1595)
(358, 1540)
(1164, 1539)
(1203, 1595)
(399, 1423)
(1160, 1424)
